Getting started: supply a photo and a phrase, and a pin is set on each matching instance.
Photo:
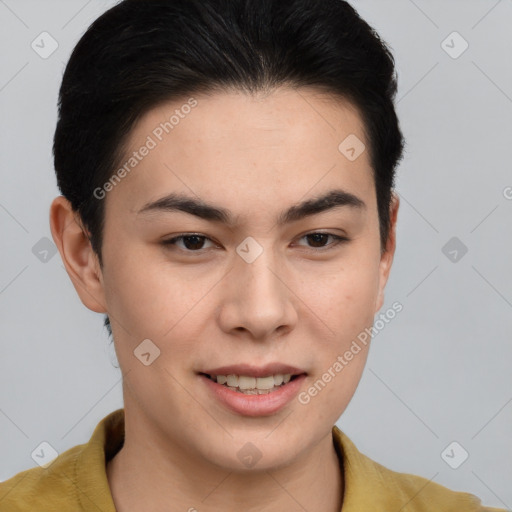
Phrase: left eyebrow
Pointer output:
(333, 199)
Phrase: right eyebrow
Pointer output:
(333, 199)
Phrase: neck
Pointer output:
(144, 476)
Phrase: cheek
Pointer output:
(331, 388)
(136, 290)
(344, 298)
(150, 298)
(344, 302)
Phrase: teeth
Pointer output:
(256, 384)
(278, 379)
(253, 391)
(222, 379)
(232, 380)
(247, 382)
(264, 382)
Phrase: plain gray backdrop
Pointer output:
(438, 373)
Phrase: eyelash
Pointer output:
(339, 240)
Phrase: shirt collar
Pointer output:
(360, 474)
(91, 472)
(364, 485)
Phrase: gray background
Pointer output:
(439, 372)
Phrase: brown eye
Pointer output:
(191, 243)
(319, 239)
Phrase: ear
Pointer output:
(79, 259)
(386, 259)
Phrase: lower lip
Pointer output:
(255, 405)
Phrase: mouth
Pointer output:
(250, 385)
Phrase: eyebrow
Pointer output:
(333, 199)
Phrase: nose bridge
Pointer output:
(258, 300)
(257, 269)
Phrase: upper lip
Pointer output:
(255, 371)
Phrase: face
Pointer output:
(261, 281)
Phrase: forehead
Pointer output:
(249, 150)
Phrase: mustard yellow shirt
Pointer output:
(77, 481)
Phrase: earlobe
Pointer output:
(387, 256)
(75, 249)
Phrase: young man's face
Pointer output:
(254, 292)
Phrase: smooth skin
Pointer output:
(301, 302)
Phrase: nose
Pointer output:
(258, 298)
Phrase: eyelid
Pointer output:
(172, 241)
(339, 239)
